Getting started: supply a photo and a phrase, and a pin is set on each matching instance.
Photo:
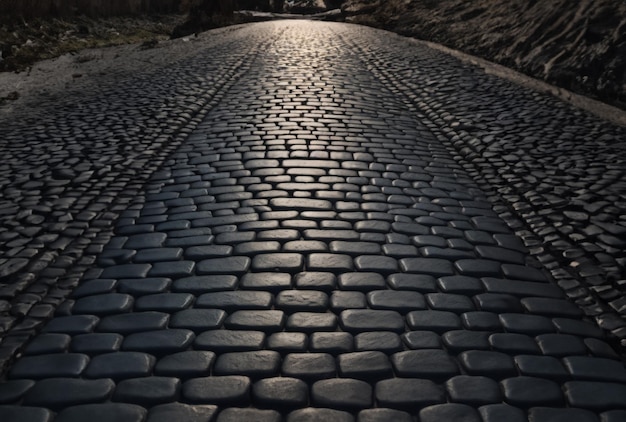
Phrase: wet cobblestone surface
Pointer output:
(312, 221)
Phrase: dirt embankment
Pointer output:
(579, 45)
(24, 42)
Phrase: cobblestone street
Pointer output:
(311, 221)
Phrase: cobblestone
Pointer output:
(313, 222)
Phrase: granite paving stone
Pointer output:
(359, 320)
(526, 391)
(58, 393)
(230, 340)
(552, 414)
(313, 414)
(236, 300)
(103, 412)
(270, 281)
(187, 364)
(282, 392)
(361, 281)
(450, 411)
(266, 321)
(432, 364)
(179, 411)
(254, 364)
(11, 413)
(144, 286)
(220, 390)
(408, 393)
(48, 343)
(120, 365)
(473, 390)
(309, 366)
(12, 391)
(204, 284)
(234, 414)
(342, 394)
(164, 302)
(132, 323)
(310, 322)
(382, 414)
(331, 342)
(501, 412)
(104, 304)
(541, 366)
(594, 395)
(52, 365)
(159, 342)
(147, 391)
(309, 221)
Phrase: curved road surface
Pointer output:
(311, 222)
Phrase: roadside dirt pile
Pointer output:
(578, 45)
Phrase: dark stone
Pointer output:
(120, 365)
(311, 414)
(237, 300)
(235, 414)
(383, 415)
(438, 321)
(341, 393)
(383, 341)
(595, 395)
(198, 320)
(501, 412)
(266, 321)
(147, 391)
(269, 281)
(428, 363)
(408, 393)
(280, 392)
(226, 390)
(49, 366)
(495, 365)
(561, 415)
(103, 413)
(473, 390)
(134, 322)
(595, 369)
(58, 393)
(361, 281)
(288, 342)
(528, 391)
(105, 304)
(159, 342)
(449, 412)
(164, 302)
(309, 322)
(187, 364)
(359, 320)
(333, 343)
(181, 412)
(24, 413)
(48, 343)
(230, 340)
(255, 364)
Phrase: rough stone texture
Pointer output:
(522, 34)
(409, 273)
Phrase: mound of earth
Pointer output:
(24, 42)
(577, 45)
